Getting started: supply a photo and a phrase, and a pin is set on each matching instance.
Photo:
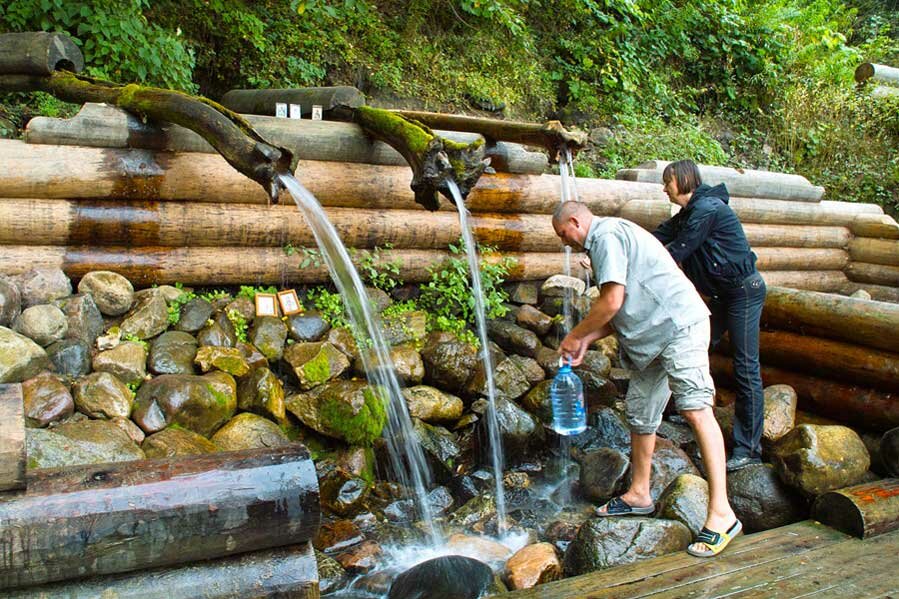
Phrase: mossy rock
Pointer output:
(199, 403)
(249, 431)
(226, 359)
(176, 441)
(315, 363)
(346, 410)
(263, 393)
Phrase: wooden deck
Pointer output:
(806, 559)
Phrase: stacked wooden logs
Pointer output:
(106, 191)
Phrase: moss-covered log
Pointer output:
(38, 53)
(224, 130)
(431, 157)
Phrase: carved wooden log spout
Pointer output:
(111, 518)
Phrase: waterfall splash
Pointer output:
(412, 472)
(496, 448)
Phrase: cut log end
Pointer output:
(863, 510)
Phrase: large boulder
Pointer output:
(175, 441)
(606, 542)
(85, 320)
(519, 431)
(148, 318)
(102, 395)
(307, 327)
(199, 403)
(269, 334)
(46, 400)
(603, 473)
(10, 302)
(70, 357)
(249, 431)
(128, 361)
(440, 448)
(449, 362)
(539, 403)
(668, 462)
(44, 324)
(216, 335)
(263, 393)
(780, 411)
(347, 410)
(761, 500)
(533, 319)
(173, 352)
(84, 442)
(685, 499)
(513, 338)
(194, 315)
(315, 363)
(820, 458)
(406, 327)
(42, 286)
(607, 429)
(20, 357)
(532, 565)
(509, 380)
(432, 405)
(112, 292)
(447, 577)
(406, 362)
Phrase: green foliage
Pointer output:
(132, 338)
(375, 270)
(174, 307)
(215, 295)
(239, 323)
(249, 291)
(330, 306)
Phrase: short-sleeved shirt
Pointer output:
(659, 300)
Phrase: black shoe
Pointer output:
(739, 462)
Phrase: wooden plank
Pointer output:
(862, 510)
(744, 552)
(12, 437)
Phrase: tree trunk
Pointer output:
(109, 518)
(861, 322)
(12, 437)
(36, 171)
(874, 251)
(880, 293)
(103, 126)
(285, 572)
(230, 135)
(812, 259)
(761, 235)
(712, 175)
(875, 225)
(240, 265)
(876, 72)
(854, 405)
(336, 102)
(749, 184)
(878, 274)
(38, 53)
(863, 510)
(830, 281)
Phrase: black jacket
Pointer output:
(707, 240)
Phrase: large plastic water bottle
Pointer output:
(567, 395)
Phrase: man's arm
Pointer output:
(595, 325)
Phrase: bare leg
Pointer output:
(711, 444)
(642, 447)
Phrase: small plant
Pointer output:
(130, 337)
(239, 323)
(376, 271)
(289, 249)
(330, 306)
(249, 292)
(215, 295)
(311, 257)
(174, 308)
(133, 386)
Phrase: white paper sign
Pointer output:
(296, 111)
(281, 110)
(316, 112)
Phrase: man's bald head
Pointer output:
(566, 210)
(571, 222)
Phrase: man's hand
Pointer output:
(573, 349)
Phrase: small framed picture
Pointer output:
(281, 110)
(296, 111)
(290, 303)
(316, 112)
(266, 304)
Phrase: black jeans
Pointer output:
(738, 311)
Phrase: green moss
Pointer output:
(361, 428)
(389, 124)
(220, 398)
(317, 370)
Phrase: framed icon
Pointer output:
(316, 112)
(281, 110)
(290, 303)
(266, 304)
(296, 111)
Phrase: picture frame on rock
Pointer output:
(290, 303)
(266, 304)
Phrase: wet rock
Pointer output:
(594, 372)
(621, 379)
(548, 359)
(532, 565)
(128, 361)
(668, 462)
(307, 326)
(685, 499)
(818, 458)
(199, 403)
(112, 292)
(606, 542)
(406, 362)
(169, 293)
(449, 362)
(478, 509)
(44, 324)
(360, 558)
(20, 357)
(889, 451)
(263, 393)
(269, 334)
(562, 285)
(149, 317)
(761, 501)
(519, 431)
(46, 399)
(70, 357)
(241, 304)
(479, 548)
(358, 461)
(534, 320)
(315, 363)
(226, 359)
(780, 411)
(42, 286)
(378, 299)
(560, 533)
(84, 442)
(194, 315)
(84, 318)
(463, 488)
(679, 434)
(331, 575)
(347, 410)
(432, 405)
(607, 346)
(725, 417)
(513, 338)
(400, 511)
(214, 334)
(538, 402)
(406, 327)
(249, 431)
(447, 577)
(176, 441)
(607, 429)
(10, 302)
(110, 340)
(132, 430)
(524, 292)
(509, 380)
(603, 473)
(341, 493)
(343, 340)
(440, 448)
(440, 501)
(337, 535)
(173, 352)
(102, 395)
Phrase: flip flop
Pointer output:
(619, 507)
(714, 542)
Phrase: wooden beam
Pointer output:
(863, 510)
(110, 518)
(877, 72)
(38, 53)
(830, 281)
(12, 437)
(875, 225)
(338, 100)
(877, 274)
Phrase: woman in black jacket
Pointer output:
(707, 240)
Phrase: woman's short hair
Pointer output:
(685, 172)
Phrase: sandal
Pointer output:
(713, 542)
(619, 507)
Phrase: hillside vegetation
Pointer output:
(762, 84)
